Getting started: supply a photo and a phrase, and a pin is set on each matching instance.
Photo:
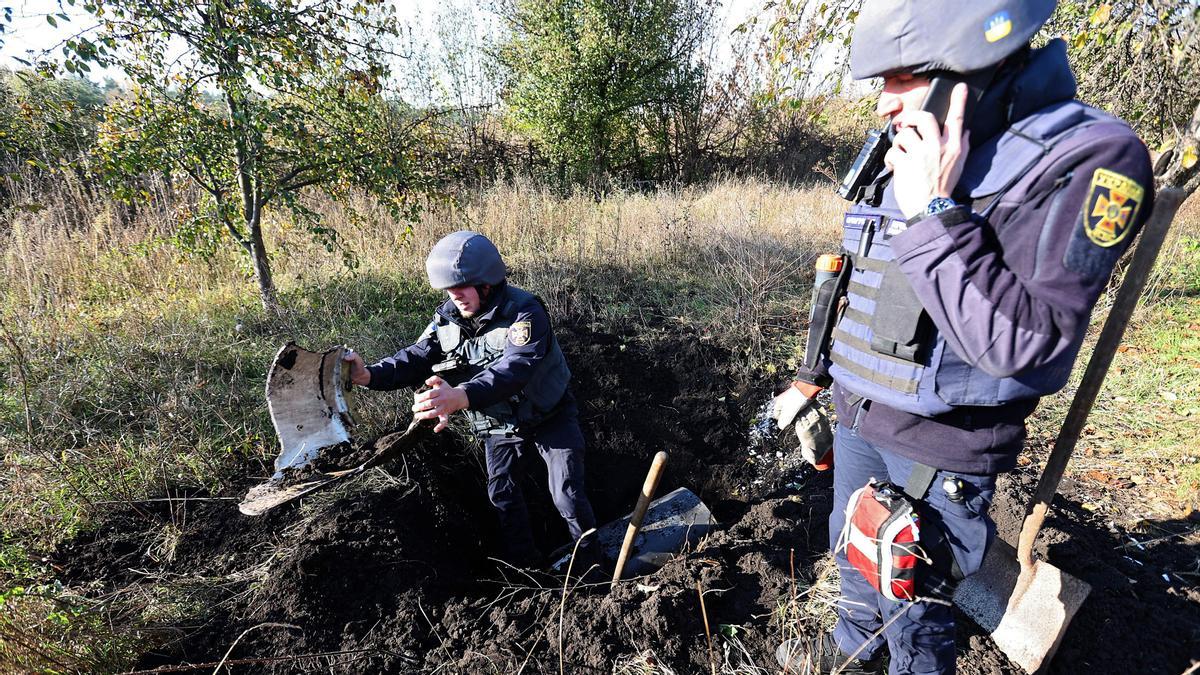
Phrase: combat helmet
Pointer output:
(464, 258)
(923, 36)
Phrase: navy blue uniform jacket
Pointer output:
(1009, 293)
(410, 366)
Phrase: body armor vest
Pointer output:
(541, 396)
(884, 347)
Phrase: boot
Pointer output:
(589, 565)
(820, 655)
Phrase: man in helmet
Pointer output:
(973, 258)
(490, 352)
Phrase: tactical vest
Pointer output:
(884, 347)
(540, 397)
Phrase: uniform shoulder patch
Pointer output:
(518, 333)
(1109, 214)
(1111, 207)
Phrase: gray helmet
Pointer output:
(464, 258)
(920, 36)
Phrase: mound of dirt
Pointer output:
(389, 572)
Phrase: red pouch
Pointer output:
(881, 538)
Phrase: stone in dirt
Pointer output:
(671, 523)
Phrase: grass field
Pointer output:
(129, 366)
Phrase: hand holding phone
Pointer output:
(928, 153)
(870, 161)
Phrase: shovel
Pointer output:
(639, 512)
(1026, 604)
(264, 497)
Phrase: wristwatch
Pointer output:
(939, 204)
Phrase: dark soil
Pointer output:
(390, 572)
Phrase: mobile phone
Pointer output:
(937, 101)
(869, 162)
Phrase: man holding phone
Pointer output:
(973, 255)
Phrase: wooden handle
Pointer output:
(639, 512)
(1153, 234)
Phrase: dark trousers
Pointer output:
(921, 639)
(560, 444)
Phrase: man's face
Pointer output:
(466, 299)
(901, 92)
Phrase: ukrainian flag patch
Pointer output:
(1111, 207)
(997, 27)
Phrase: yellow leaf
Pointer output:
(1079, 40)
(1189, 157)
(1100, 16)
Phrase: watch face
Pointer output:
(939, 204)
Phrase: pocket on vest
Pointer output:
(899, 327)
(959, 383)
(497, 338)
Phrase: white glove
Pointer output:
(791, 401)
(787, 405)
(816, 439)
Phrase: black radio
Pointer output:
(867, 165)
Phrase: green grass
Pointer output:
(1146, 418)
(1151, 406)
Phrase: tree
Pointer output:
(45, 122)
(582, 73)
(254, 101)
(810, 49)
(1140, 60)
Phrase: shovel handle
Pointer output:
(1166, 204)
(639, 512)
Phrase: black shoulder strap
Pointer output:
(919, 481)
(983, 205)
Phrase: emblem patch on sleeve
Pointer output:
(518, 333)
(1111, 207)
(997, 27)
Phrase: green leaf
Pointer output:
(1190, 156)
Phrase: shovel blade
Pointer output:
(1026, 615)
(264, 497)
(308, 399)
(672, 522)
